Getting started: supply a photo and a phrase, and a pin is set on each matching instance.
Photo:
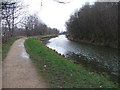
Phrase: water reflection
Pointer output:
(100, 57)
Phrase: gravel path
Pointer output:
(18, 70)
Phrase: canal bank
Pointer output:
(97, 58)
(94, 42)
(62, 73)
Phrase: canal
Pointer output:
(96, 58)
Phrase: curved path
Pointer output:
(18, 70)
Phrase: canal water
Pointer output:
(96, 58)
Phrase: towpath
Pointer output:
(19, 71)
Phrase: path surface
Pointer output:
(18, 70)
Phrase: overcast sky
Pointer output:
(55, 14)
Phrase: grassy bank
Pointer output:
(61, 73)
(6, 46)
(43, 36)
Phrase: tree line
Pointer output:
(31, 25)
(97, 23)
(34, 26)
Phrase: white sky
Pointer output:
(54, 14)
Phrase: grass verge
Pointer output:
(61, 73)
(6, 46)
(43, 36)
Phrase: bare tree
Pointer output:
(10, 10)
(34, 26)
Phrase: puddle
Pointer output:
(21, 45)
(23, 51)
(25, 55)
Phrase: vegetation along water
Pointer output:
(97, 58)
(62, 73)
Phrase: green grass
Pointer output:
(6, 46)
(43, 36)
(60, 72)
